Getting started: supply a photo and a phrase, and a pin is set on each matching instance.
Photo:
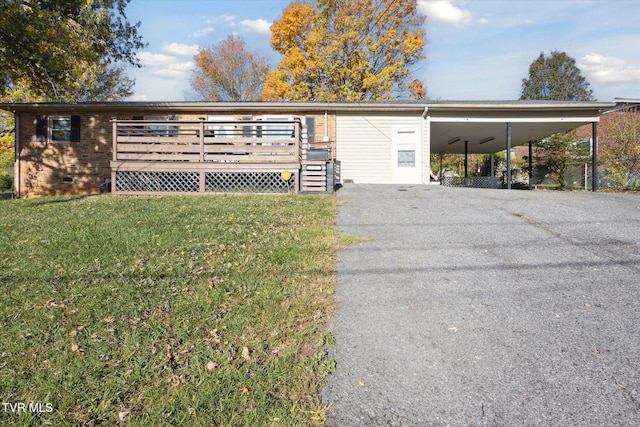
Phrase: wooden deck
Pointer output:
(169, 157)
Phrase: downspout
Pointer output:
(422, 150)
(325, 138)
(16, 157)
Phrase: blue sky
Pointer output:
(476, 49)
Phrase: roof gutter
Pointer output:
(217, 106)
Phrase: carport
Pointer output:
(489, 127)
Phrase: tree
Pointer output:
(557, 153)
(555, 78)
(49, 46)
(347, 50)
(101, 82)
(228, 72)
(620, 145)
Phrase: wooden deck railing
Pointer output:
(254, 141)
(203, 147)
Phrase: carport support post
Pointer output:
(530, 165)
(508, 156)
(594, 158)
(466, 161)
(493, 170)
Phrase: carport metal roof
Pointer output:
(483, 124)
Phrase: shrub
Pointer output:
(6, 182)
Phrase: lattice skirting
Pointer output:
(250, 182)
(472, 181)
(157, 182)
(189, 182)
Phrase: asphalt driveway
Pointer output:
(486, 307)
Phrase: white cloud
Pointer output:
(229, 19)
(203, 32)
(444, 11)
(179, 49)
(259, 26)
(178, 70)
(149, 59)
(608, 70)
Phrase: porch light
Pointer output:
(484, 141)
(454, 140)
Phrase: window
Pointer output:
(311, 128)
(247, 131)
(161, 130)
(406, 158)
(221, 130)
(58, 129)
(280, 130)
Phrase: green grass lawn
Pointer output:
(165, 310)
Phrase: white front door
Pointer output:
(406, 158)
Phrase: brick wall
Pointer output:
(80, 167)
(65, 168)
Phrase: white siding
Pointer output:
(363, 145)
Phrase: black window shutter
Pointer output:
(75, 128)
(41, 128)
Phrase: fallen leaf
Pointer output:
(587, 305)
(74, 347)
(108, 319)
(360, 381)
(211, 365)
(122, 415)
(245, 354)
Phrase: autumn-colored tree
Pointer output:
(6, 141)
(619, 142)
(66, 50)
(417, 89)
(7, 127)
(347, 50)
(7, 150)
(228, 72)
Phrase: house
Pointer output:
(193, 147)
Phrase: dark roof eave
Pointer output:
(398, 106)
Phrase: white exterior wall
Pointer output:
(364, 148)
